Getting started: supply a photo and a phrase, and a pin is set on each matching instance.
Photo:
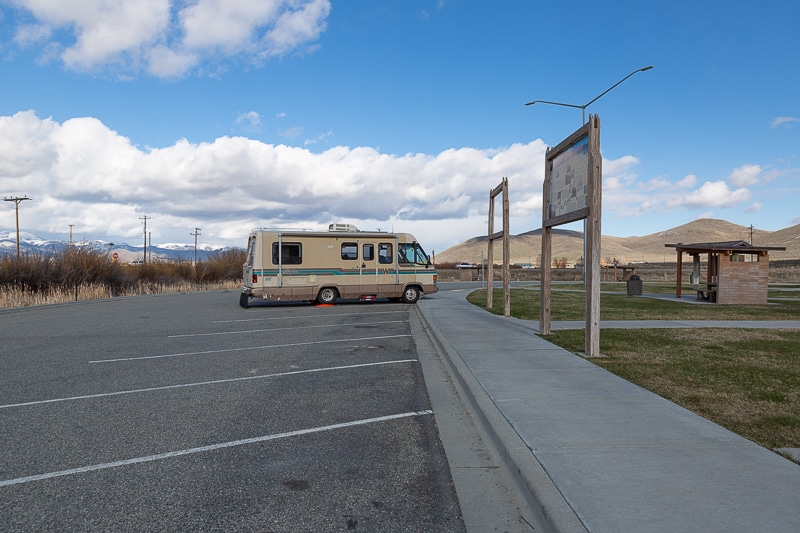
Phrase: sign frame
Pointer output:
(574, 151)
(591, 212)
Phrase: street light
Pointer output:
(584, 106)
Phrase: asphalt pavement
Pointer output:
(185, 412)
(593, 452)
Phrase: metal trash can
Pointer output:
(634, 285)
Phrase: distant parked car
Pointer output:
(465, 265)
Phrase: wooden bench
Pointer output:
(706, 292)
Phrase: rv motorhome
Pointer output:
(342, 262)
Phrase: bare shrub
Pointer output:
(81, 273)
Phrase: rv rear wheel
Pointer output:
(411, 295)
(327, 295)
(243, 300)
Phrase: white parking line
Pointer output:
(213, 382)
(266, 346)
(282, 329)
(212, 447)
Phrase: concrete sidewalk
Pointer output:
(597, 453)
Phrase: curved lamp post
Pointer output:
(596, 98)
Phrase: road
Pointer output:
(185, 412)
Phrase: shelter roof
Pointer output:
(741, 247)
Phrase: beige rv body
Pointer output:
(340, 263)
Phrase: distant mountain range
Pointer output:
(527, 247)
(29, 243)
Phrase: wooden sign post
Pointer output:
(573, 191)
(503, 187)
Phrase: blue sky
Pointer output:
(232, 114)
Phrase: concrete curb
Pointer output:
(536, 487)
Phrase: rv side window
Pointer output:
(369, 252)
(291, 253)
(349, 251)
(385, 253)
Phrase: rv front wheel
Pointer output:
(411, 295)
(243, 300)
(328, 295)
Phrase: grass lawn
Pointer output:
(747, 380)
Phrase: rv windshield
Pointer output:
(411, 253)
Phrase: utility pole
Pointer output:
(70, 236)
(196, 233)
(150, 244)
(16, 200)
(144, 252)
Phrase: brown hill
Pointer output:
(527, 247)
(788, 237)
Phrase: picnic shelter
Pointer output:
(736, 272)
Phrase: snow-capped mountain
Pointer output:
(29, 243)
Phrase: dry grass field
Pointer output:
(81, 274)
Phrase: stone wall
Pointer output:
(743, 283)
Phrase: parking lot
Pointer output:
(186, 412)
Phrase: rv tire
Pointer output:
(243, 300)
(327, 295)
(411, 294)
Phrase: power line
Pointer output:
(16, 200)
(196, 233)
(144, 252)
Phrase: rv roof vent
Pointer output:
(342, 227)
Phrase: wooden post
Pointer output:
(506, 253)
(547, 244)
(502, 188)
(593, 236)
(586, 154)
(544, 293)
(490, 256)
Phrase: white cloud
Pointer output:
(163, 62)
(687, 182)
(319, 138)
(619, 173)
(295, 27)
(250, 120)
(779, 121)
(83, 173)
(713, 194)
(291, 133)
(30, 34)
(167, 38)
(745, 175)
(26, 148)
(660, 195)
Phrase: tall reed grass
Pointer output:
(84, 274)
